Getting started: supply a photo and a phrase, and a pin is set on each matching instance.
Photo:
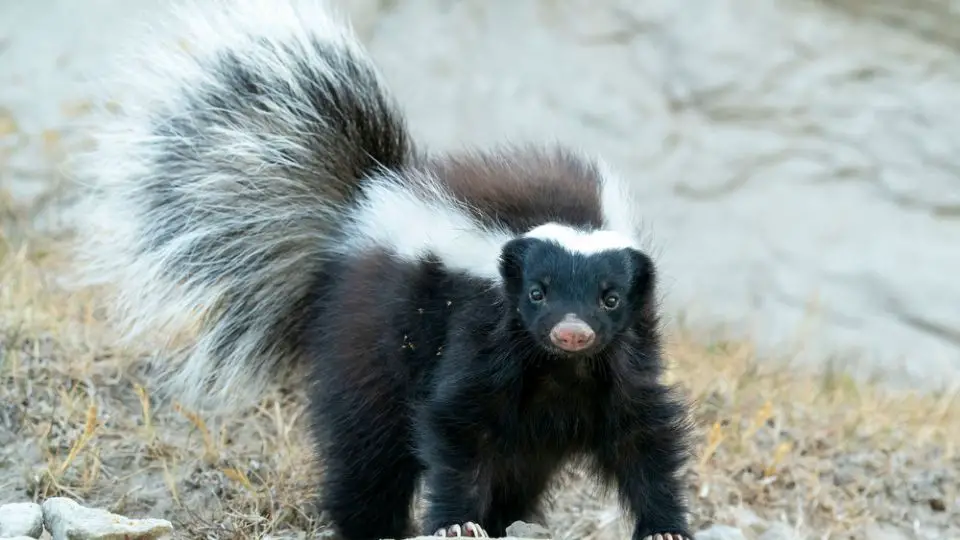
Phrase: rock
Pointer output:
(720, 532)
(880, 531)
(21, 520)
(499, 538)
(65, 519)
(748, 521)
(523, 529)
(780, 531)
(298, 536)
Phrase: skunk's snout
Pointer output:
(572, 334)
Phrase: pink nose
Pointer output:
(572, 334)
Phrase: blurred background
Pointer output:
(798, 160)
(799, 169)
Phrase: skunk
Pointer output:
(473, 320)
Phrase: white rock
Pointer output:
(508, 537)
(879, 531)
(748, 520)
(65, 519)
(21, 520)
(720, 532)
(522, 529)
(780, 531)
(298, 536)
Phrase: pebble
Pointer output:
(65, 519)
(780, 531)
(748, 521)
(522, 529)
(21, 520)
(879, 531)
(720, 532)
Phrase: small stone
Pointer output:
(748, 520)
(298, 536)
(522, 529)
(720, 532)
(780, 531)
(879, 531)
(65, 519)
(21, 519)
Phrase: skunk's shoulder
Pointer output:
(462, 208)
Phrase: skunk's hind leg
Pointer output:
(370, 472)
(361, 421)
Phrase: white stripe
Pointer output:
(414, 216)
(582, 242)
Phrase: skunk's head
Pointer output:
(576, 292)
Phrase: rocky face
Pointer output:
(60, 518)
(18, 520)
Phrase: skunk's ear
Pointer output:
(512, 257)
(643, 274)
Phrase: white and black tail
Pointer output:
(213, 196)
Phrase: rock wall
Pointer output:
(798, 159)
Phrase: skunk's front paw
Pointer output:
(468, 529)
(667, 536)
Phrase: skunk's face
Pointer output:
(576, 302)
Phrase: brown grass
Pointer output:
(814, 450)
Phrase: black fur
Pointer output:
(420, 372)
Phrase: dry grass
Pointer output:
(816, 451)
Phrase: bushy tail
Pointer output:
(243, 135)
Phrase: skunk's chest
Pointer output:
(562, 410)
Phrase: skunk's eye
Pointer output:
(610, 300)
(536, 294)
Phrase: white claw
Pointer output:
(468, 529)
(477, 530)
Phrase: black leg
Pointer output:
(370, 468)
(646, 450)
(654, 496)
(457, 483)
(517, 491)
(489, 490)
(453, 499)
(369, 482)
(458, 451)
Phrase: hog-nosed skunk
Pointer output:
(474, 320)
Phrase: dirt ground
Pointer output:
(814, 450)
